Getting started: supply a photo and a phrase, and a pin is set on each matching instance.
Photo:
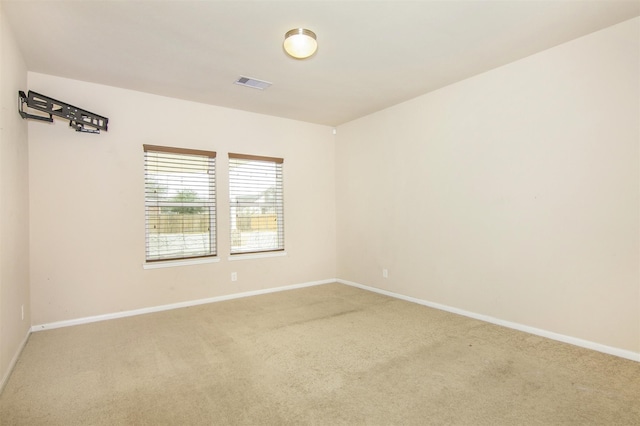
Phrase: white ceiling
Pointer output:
(371, 55)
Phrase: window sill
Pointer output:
(173, 263)
(257, 255)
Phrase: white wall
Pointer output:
(87, 202)
(14, 207)
(513, 194)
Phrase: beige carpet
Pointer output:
(325, 355)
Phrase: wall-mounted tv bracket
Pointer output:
(80, 119)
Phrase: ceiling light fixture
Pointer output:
(300, 43)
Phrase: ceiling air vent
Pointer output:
(253, 83)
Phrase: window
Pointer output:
(257, 205)
(180, 203)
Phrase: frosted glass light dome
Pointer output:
(300, 43)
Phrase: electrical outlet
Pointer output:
(385, 273)
(234, 276)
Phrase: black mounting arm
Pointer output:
(80, 119)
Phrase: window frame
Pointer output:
(210, 203)
(279, 248)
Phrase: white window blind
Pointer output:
(180, 203)
(257, 203)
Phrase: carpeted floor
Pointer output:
(324, 355)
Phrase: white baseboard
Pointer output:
(622, 353)
(142, 311)
(12, 364)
